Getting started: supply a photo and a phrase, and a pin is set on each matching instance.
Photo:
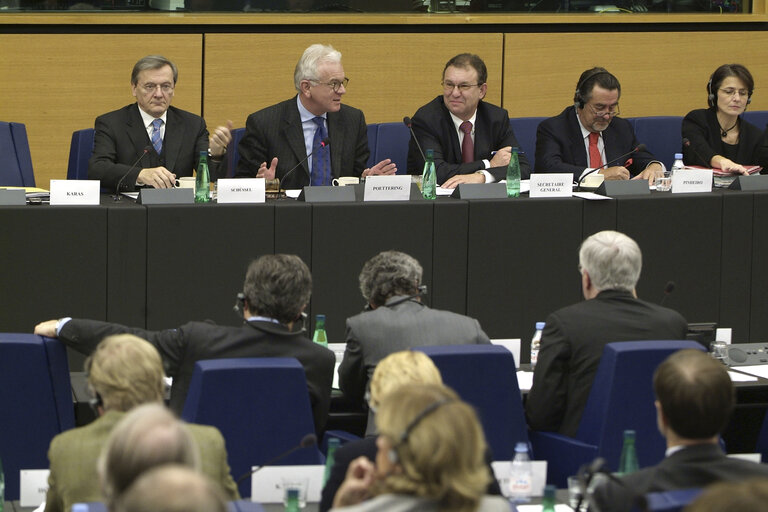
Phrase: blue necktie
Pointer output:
(321, 157)
(157, 140)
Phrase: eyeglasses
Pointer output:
(448, 87)
(150, 88)
(333, 84)
(611, 112)
(732, 92)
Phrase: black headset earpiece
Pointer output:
(392, 454)
(578, 97)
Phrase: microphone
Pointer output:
(306, 441)
(667, 291)
(597, 467)
(408, 123)
(323, 144)
(687, 144)
(637, 149)
(116, 197)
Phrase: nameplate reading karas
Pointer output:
(81, 192)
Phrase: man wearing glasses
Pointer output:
(150, 143)
(311, 138)
(471, 139)
(589, 135)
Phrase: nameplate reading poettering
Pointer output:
(387, 188)
(33, 487)
(267, 484)
(551, 185)
(75, 192)
(247, 190)
(692, 180)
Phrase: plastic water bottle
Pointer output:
(678, 165)
(548, 501)
(330, 458)
(320, 337)
(429, 177)
(536, 344)
(292, 500)
(203, 180)
(628, 461)
(520, 475)
(513, 175)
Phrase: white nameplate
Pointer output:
(556, 184)
(267, 484)
(387, 188)
(692, 180)
(245, 190)
(513, 345)
(34, 486)
(75, 192)
(501, 470)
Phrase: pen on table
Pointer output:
(518, 152)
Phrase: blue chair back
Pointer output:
(373, 131)
(392, 142)
(15, 158)
(662, 135)
(525, 133)
(670, 501)
(80, 150)
(232, 151)
(260, 405)
(36, 395)
(485, 377)
(758, 118)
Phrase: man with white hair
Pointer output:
(573, 338)
(314, 124)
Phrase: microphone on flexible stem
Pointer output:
(667, 291)
(637, 149)
(323, 144)
(116, 197)
(687, 144)
(597, 467)
(306, 441)
(409, 124)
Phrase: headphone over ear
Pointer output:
(712, 102)
(579, 99)
(393, 455)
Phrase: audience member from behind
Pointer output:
(694, 402)
(745, 496)
(123, 372)
(396, 320)
(719, 137)
(574, 337)
(276, 290)
(430, 457)
(171, 488)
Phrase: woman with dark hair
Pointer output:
(719, 137)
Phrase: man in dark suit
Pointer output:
(589, 135)
(444, 123)
(573, 338)
(694, 402)
(276, 291)
(279, 138)
(151, 143)
(396, 320)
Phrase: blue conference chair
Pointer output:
(80, 150)
(392, 142)
(669, 501)
(661, 134)
(36, 396)
(373, 131)
(260, 405)
(485, 377)
(621, 399)
(525, 132)
(758, 118)
(232, 151)
(15, 159)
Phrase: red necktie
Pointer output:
(595, 160)
(467, 146)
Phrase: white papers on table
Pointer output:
(759, 370)
(740, 377)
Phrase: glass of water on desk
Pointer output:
(719, 350)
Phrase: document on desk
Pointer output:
(758, 370)
(524, 381)
(590, 196)
(741, 377)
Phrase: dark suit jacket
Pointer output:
(702, 129)
(182, 347)
(73, 455)
(572, 345)
(120, 137)
(276, 132)
(560, 145)
(694, 466)
(435, 130)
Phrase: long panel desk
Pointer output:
(506, 262)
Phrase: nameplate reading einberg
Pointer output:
(75, 192)
(692, 180)
(387, 188)
(551, 185)
(246, 190)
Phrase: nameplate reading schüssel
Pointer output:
(387, 188)
(80, 192)
(551, 185)
(692, 180)
(245, 190)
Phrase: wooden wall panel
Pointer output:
(662, 73)
(59, 83)
(391, 75)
